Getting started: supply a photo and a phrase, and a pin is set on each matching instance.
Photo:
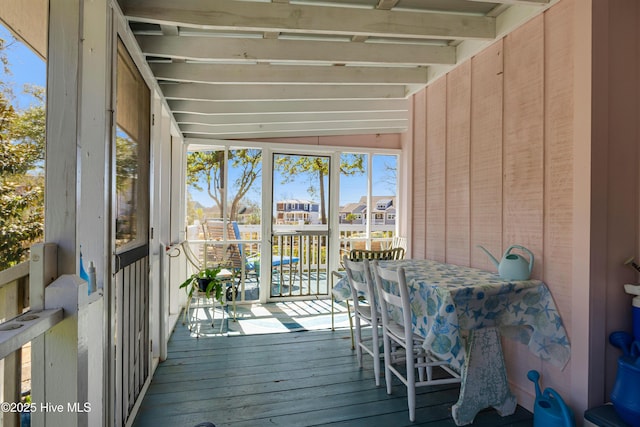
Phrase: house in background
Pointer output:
(520, 126)
(296, 211)
(383, 213)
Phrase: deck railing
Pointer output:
(15, 373)
(299, 265)
(59, 308)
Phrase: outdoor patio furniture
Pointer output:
(235, 253)
(359, 275)
(397, 331)
(359, 255)
(225, 275)
(449, 301)
(399, 242)
(383, 255)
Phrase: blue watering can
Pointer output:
(549, 408)
(626, 390)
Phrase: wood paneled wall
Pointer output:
(496, 135)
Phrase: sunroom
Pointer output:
(467, 122)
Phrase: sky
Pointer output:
(352, 188)
(28, 68)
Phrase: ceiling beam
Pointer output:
(525, 2)
(279, 127)
(268, 17)
(203, 119)
(282, 92)
(200, 138)
(288, 107)
(387, 4)
(296, 51)
(288, 74)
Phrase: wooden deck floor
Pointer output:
(290, 379)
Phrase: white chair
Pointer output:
(361, 283)
(358, 255)
(399, 242)
(400, 334)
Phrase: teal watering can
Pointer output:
(549, 408)
(513, 266)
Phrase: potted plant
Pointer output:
(204, 281)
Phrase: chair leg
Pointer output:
(213, 312)
(350, 324)
(421, 369)
(358, 341)
(332, 322)
(375, 343)
(387, 361)
(223, 308)
(411, 387)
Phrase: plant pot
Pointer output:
(203, 283)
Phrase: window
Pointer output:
(361, 171)
(131, 154)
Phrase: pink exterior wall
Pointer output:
(614, 171)
(535, 141)
(496, 136)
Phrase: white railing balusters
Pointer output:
(14, 284)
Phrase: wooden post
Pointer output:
(70, 392)
(43, 269)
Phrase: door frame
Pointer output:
(331, 211)
(131, 259)
(334, 152)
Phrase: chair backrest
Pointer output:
(229, 254)
(389, 299)
(399, 242)
(381, 255)
(360, 280)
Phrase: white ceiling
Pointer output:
(235, 69)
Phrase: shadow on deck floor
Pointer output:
(297, 379)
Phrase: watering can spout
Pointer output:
(491, 257)
(512, 266)
(534, 376)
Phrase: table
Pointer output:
(450, 301)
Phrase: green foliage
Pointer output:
(208, 276)
(291, 167)
(205, 172)
(22, 143)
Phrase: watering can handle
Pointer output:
(566, 412)
(523, 249)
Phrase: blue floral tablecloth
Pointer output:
(447, 299)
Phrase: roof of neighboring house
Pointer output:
(376, 199)
(298, 201)
(352, 207)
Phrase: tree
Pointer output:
(22, 139)
(291, 167)
(350, 217)
(205, 171)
